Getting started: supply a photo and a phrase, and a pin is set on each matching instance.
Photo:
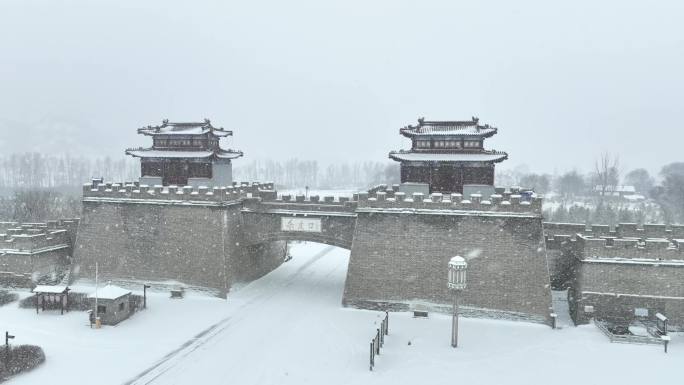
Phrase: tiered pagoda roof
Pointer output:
(456, 128)
(152, 153)
(179, 132)
(451, 141)
(185, 128)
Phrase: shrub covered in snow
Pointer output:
(21, 358)
(7, 297)
(28, 302)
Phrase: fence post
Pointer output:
(372, 355)
(377, 338)
(386, 323)
(382, 334)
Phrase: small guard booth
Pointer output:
(51, 298)
(113, 304)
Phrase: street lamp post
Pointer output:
(145, 287)
(457, 282)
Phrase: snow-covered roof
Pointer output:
(229, 154)
(490, 156)
(452, 128)
(620, 188)
(110, 292)
(51, 289)
(184, 128)
(151, 153)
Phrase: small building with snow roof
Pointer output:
(113, 304)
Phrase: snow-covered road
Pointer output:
(271, 329)
(289, 328)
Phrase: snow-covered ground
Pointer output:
(289, 328)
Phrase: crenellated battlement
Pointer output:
(334, 202)
(656, 249)
(32, 237)
(391, 198)
(380, 197)
(622, 230)
(140, 192)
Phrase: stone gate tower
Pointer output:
(185, 154)
(448, 155)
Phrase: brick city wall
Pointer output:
(615, 290)
(614, 276)
(399, 245)
(399, 259)
(562, 263)
(258, 260)
(35, 252)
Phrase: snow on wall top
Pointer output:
(381, 197)
(140, 193)
(652, 249)
(555, 230)
(32, 238)
(509, 203)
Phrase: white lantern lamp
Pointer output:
(457, 282)
(457, 273)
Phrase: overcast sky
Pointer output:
(336, 80)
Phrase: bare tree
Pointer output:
(607, 173)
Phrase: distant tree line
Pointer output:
(35, 187)
(294, 173)
(35, 170)
(664, 199)
(38, 205)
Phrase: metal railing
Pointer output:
(627, 338)
(379, 340)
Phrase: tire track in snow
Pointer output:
(167, 362)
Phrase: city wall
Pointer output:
(399, 260)
(186, 235)
(35, 252)
(610, 277)
(612, 291)
(399, 245)
(402, 245)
